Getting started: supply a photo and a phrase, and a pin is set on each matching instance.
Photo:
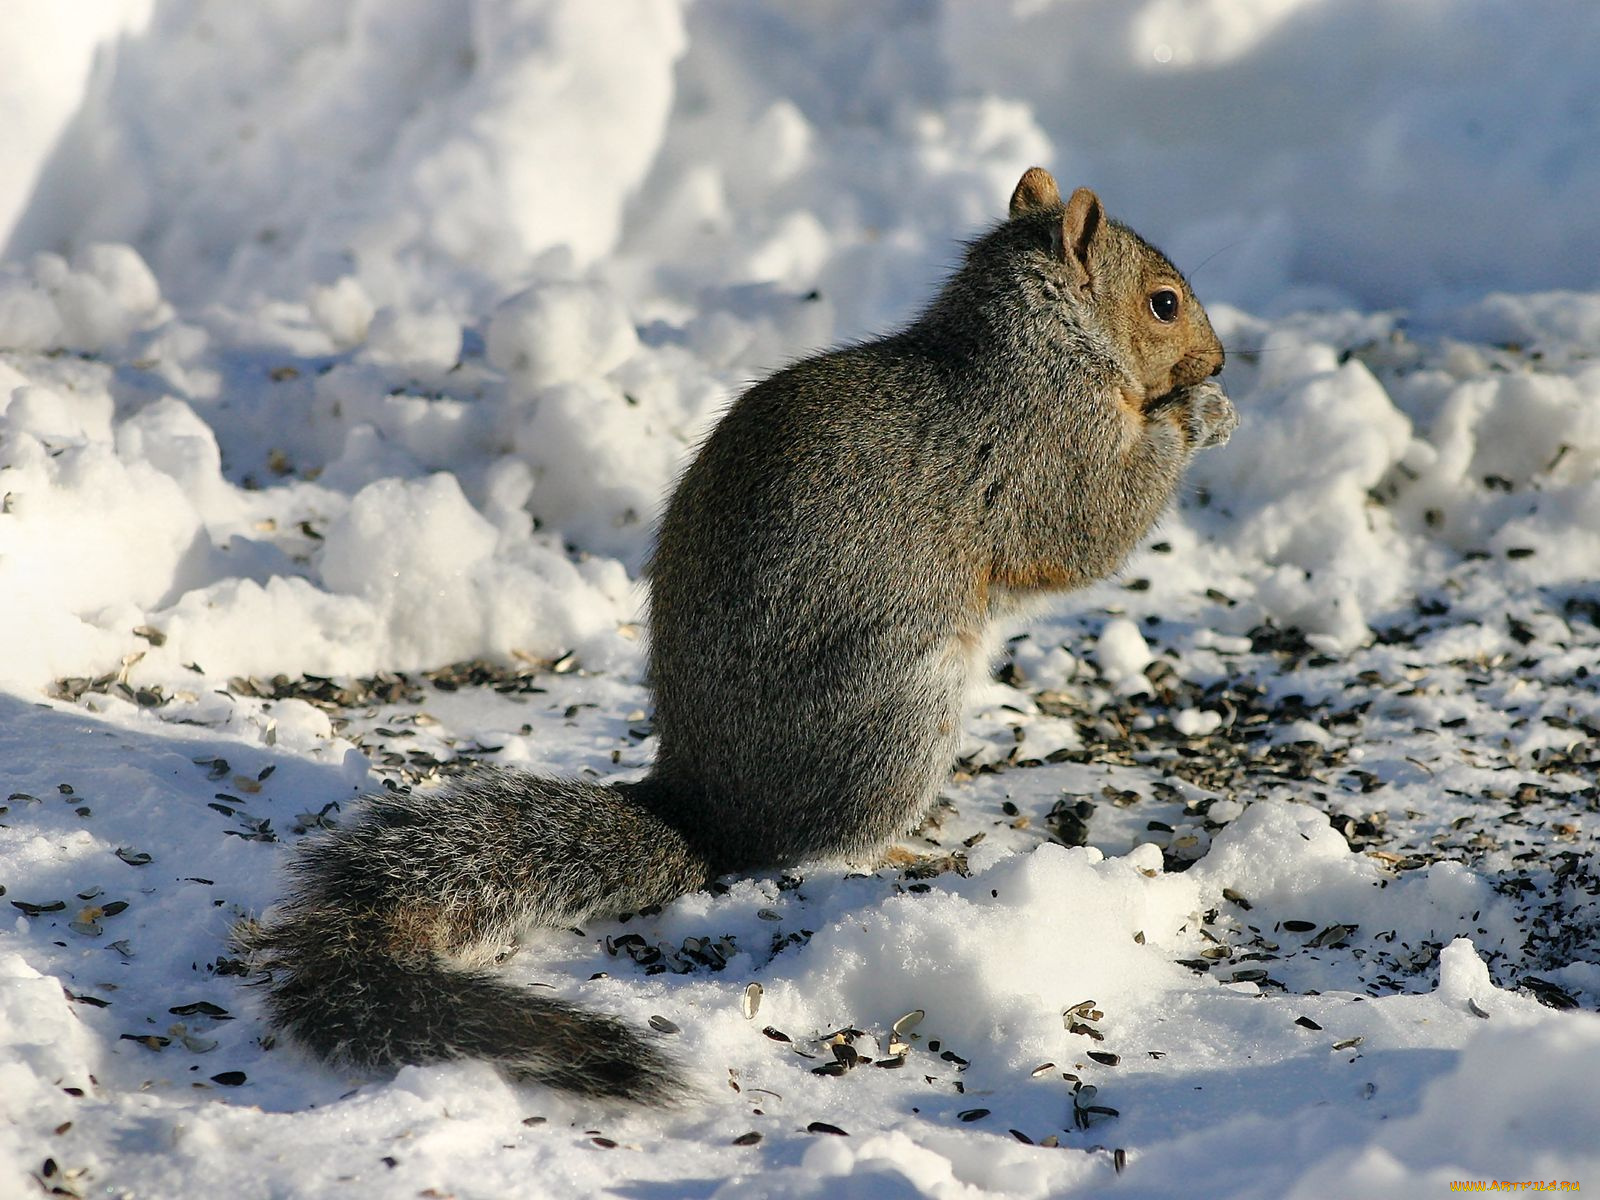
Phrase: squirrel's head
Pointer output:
(1137, 297)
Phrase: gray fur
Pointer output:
(822, 588)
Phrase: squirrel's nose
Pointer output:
(1221, 358)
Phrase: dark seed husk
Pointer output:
(1547, 993)
(824, 1127)
(200, 1008)
(34, 910)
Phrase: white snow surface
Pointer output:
(348, 338)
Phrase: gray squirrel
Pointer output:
(823, 588)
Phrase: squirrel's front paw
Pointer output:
(1209, 415)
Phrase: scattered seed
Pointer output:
(1349, 1043)
(201, 1008)
(34, 910)
(1299, 926)
(1105, 1058)
(1119, 1159)
(229, 1078)
(1476, 1009)
(972, 1114)
(1547, 993)
(134, 858)
(1306, 1023)
(824, 1127)
(747, 1139)
(750, 1004)
(908, 1022)
(777, 1035)
(1333, 935)
(1042, 1069)
(662, 1025)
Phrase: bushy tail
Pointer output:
(382, 954)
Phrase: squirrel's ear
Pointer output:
(1035, 190)
(1079, 226)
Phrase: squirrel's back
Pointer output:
(806, 595)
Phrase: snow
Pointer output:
(342, 342)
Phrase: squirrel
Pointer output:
(823, 587)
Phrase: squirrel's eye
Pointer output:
(1164, 305)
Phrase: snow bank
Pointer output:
(441, 148)
(422, 145)
(537, 245)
